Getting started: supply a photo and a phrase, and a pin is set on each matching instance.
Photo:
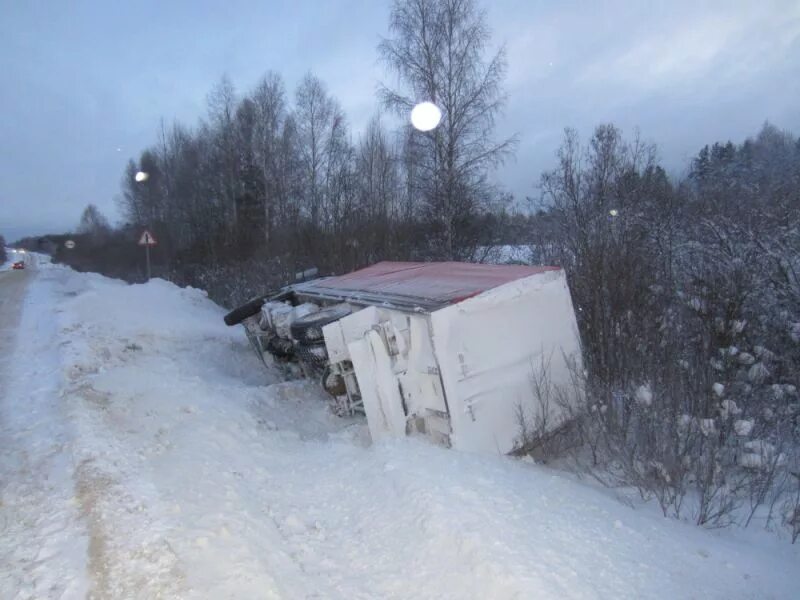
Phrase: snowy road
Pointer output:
(147, 455)
(13, 285)
(42, 541)
(12, 293)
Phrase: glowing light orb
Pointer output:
(613, 212)
(425, 116)
(141, 176)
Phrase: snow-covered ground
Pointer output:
(147, 454)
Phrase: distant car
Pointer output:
(18, 265)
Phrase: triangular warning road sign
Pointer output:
(147, 239)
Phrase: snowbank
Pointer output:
(196, 474)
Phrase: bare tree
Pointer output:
(317, 116)
(222, 110)
(603, 197)
(377, 189)
(269, 98)
(437, 49)
(93, 222)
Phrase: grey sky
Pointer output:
(82, 79)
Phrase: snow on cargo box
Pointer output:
(448, 351)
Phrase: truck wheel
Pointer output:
(237, 315)
(333, 383)
(314, 355)
(308, 329)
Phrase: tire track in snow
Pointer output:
(117, 571)
(42, 542)
(121, 565)
(89, 487)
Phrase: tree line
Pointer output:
(274, 177)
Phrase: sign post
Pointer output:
(147, 240)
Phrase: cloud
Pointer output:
(81, 80)
(684, 73)
(726, 46)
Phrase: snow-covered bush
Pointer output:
(688, 303)
(232, 284)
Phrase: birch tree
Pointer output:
(438, 51)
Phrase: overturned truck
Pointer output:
(449, 351)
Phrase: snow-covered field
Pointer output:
(147, 454)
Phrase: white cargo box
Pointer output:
(450, 350)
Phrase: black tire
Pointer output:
(280, 348)
(313, 355)
(237, 315)
(308, 329)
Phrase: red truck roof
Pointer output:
(426, 285)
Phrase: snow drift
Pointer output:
(185, 471)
